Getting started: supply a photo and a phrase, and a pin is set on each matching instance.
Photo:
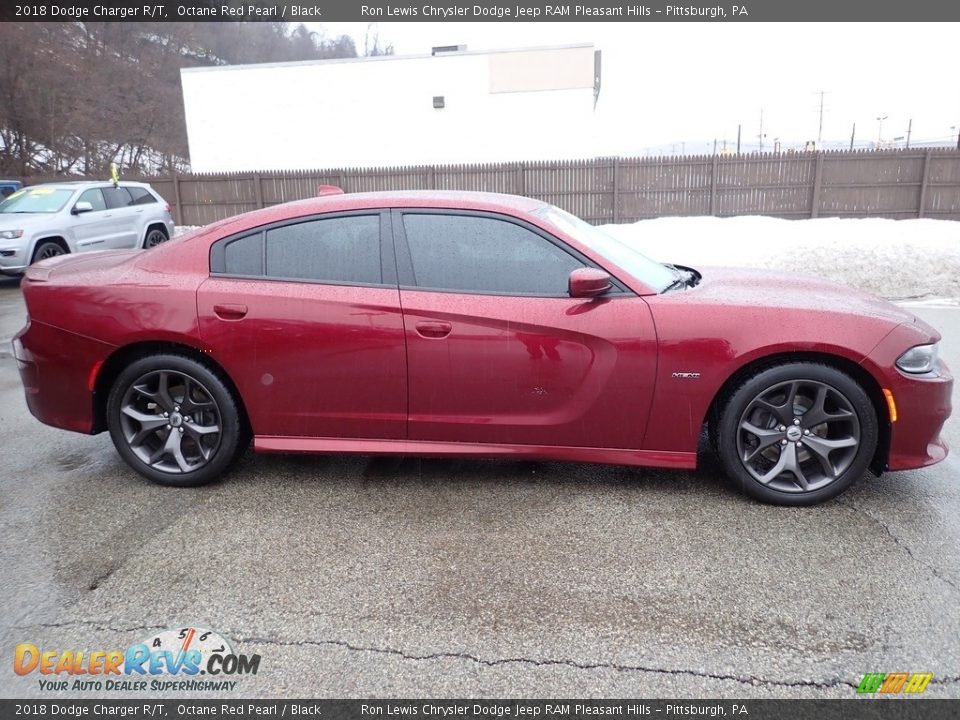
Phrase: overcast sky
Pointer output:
(667, 83)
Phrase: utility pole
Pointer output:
(738, 139)
(909, 130)
(820, 127)
(852, 134)
(714, 146)
(880, 130)
(760, 136)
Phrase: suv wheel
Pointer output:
(154, 237)
(47, 249)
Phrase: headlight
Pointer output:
(10, 234)
(919, 359)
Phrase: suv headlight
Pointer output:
(10, 234)
(919, 359)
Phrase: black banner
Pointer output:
(852, 709)
(478, 10)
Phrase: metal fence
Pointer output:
(889, 183)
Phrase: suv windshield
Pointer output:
(36, 200)
(652, 274)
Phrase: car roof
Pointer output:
(80, 184)
(442, 199)
(346, 202)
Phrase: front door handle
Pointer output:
(433, 329)
(230, 311)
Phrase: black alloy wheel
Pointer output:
(797, 434)
(154, 237)
(47, 249)
(174, 421)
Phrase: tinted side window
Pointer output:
(485, 255)
(243, 256)
(344, 250)
(141, 196)
(116, 197)
(94, 197)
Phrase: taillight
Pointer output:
(168, 207)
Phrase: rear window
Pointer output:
(141, 196)
(341, 250)
(338, 250)
(244, 256)
(117, 197)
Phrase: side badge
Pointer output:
(687, 375)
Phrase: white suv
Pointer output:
(42, 221)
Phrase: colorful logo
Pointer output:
(892, 683)
(183, 653)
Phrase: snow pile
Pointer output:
(895, 259)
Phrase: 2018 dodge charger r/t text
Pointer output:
(469, 324)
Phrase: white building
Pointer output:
(454, 106)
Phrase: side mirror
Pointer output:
(81, 207)
(589, 282)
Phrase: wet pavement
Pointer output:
(355, 576)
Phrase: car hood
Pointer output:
(750, 287)
(10, 221)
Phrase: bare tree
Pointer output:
(75, 97)
(371, 42)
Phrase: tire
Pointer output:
(154, 237)
(47, 249)
(797, 434)
(174, 421)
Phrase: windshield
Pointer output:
(36, 200)
(652, 274)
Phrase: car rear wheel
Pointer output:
(154, 237)
(47, 249)
(174, 421)
(797, 434)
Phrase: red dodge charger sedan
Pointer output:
(470, 324)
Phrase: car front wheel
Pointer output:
(47, 249)
(797, 434)
(174, 421)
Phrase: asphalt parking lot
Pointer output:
(403, 577)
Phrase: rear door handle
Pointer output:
(433, 329)
(229, 311)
